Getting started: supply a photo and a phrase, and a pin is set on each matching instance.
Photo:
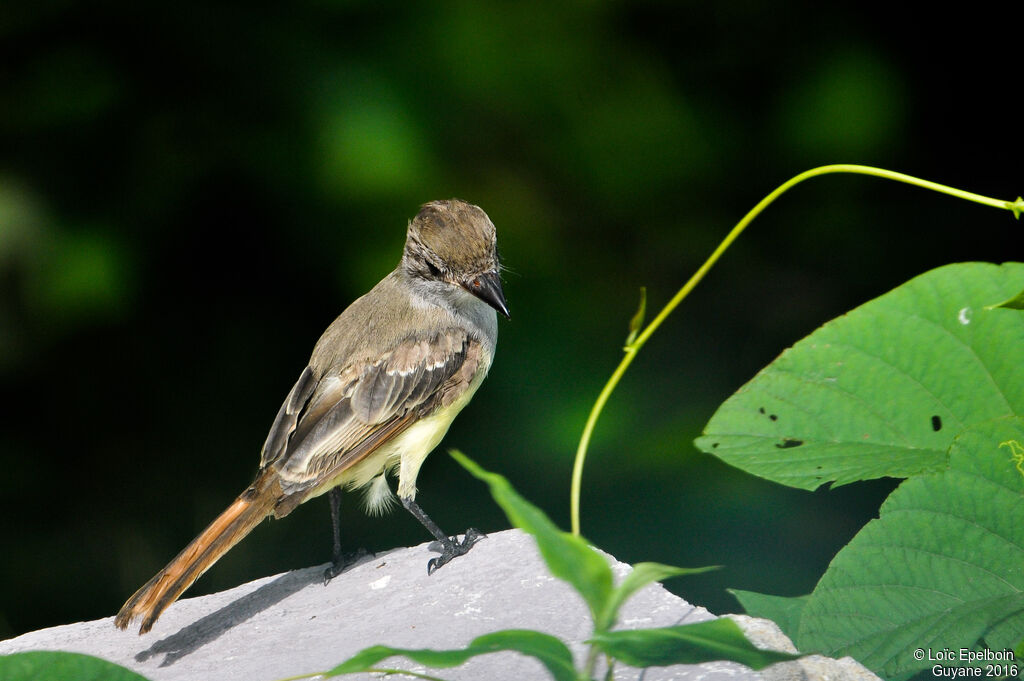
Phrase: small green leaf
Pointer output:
(568, 557)
(782, 610)
(61, 666)
(547, 649)
(719, 639)
(637, 322)
(641, 575)
(1014, 303)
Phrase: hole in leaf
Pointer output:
(936, 423)
(788, 442)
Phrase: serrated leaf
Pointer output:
(61, 666)
(640, 576)
(782, 610)
(883, 390)
(547, 649)
(719, 639)
(942, 566)
(568, 557)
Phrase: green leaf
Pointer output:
(641, 575)
(568, 557)
(718, 639)
(637, 322)
(782, 610)
(883, 390)
(1014, 303)
(60, 666)
(940, 567)
(550, 651)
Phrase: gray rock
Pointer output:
(292, 624)
(766, 634)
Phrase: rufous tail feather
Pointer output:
(248, 510)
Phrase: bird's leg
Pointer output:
(339, 560)
(450, 547)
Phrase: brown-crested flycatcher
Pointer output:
(382, 386)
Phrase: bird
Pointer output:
(382, 385)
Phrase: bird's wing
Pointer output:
(288, 416)
(328, 425)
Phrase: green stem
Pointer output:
(591, 664)
(403, 672)
(372, 670)
(609, 674)
(631, 350)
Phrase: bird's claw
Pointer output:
(343, 561)
(454, 548)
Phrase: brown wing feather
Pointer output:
(288, 416)
(348, 415)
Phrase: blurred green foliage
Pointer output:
(190, 192)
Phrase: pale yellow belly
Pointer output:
(406, 452)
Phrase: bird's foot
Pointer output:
(453, 548)
(339, 563)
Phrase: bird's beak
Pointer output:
(487, 287)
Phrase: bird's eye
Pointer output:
(434, 269)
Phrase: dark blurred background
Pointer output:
(190, 192)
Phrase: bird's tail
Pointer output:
(248, 510)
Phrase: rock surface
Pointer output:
(292, 624)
